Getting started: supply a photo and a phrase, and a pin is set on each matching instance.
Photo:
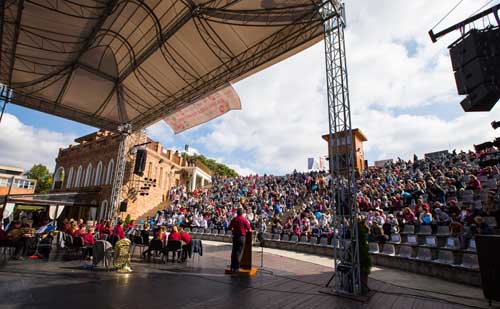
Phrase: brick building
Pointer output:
(11, 178)
(89, 167)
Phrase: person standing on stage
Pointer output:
(239, 226)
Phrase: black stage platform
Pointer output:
(200, 283)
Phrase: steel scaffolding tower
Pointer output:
(341, 152)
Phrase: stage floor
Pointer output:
(199, 283)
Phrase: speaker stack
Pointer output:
(475, 59)
(140, 162)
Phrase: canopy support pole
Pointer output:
(341, 153)
(121, 162)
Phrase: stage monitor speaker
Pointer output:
(140, 162)
(475, 73)
(474, 44)
(488, 251)
(123, 206)
(481, 99)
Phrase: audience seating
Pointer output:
(424, 254)
(268, 236)
(285, 238)
(323, 241)
(452, 243)
(303, 239)
(388, 249)
(276, 237)
(373, 247)
(405, 251)
(445, 257)
(443, 230)
(424, 230)
(469, 260)
(491, 221)
(430, 241)
(472, 246)
(412, 240)
(294, 239)
(314, 240)
(395, 239)
(408, 229)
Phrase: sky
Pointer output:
(402, 93)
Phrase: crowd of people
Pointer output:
(418, 192)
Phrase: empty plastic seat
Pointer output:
(452, 243)
(491, 221)
(294, 238)
(445, 257)
(395, 239)
(323, 241)
(478, 204)
(408, 229)
(303, 239)
(285, 237)
(268, 236)
(373, 247)
(443, 230)
(472, 245)
(469, 260)
(276, 237)
(430, 241)
(425, 230)
(314, 240)
(388, 249)
(412, 240)
(405, 251)
(424, 254)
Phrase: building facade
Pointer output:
(11, 179)
(90, 165)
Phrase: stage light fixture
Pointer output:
(495, 124)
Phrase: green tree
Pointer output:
(43, 178)
(218, 168)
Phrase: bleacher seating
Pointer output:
(303, 239)
(425, 230)
(388, 249)
(430, 241)
(314, 240)
(469, 260)
(452, 243)
(373, 247)
(323, 241)
(471, 246)
(405, 251)
(491, 221)
(445, 257)
(276, 237)
(408, 229)
(424, 254)
(443, 230)
(294, 238)
(411, 240)
(395, 239)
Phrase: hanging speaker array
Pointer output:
(475, 59)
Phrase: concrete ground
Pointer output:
(288, 280)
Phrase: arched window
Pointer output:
(88, 175)
(104, 210)
(78, 178)
(70, 178)
(98, 173)
(58, 179)
(110, 172)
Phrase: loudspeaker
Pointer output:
(474, 44)
(488, 251)
(140, 162)
(481, 99)
(476, 72)
(123, 206)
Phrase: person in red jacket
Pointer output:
(174, 235)
(239, 226)
(118, 230)
(186, 243)
(88, 241)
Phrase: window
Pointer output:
(78, 178)
(98, 173)
(70, 178)
(88, 176)
(110, 172)
(160, 179)
(58, 178)
(5, 182)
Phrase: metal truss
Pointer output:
(341, 153)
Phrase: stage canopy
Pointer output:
(106, 63)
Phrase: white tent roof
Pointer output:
(109, 62)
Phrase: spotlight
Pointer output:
(495, 124)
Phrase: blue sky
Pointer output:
(403, 98)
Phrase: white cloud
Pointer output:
(24, 146)
(242, 171)
(160, 131)
(284, 107)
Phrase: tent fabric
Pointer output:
(110, 62)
